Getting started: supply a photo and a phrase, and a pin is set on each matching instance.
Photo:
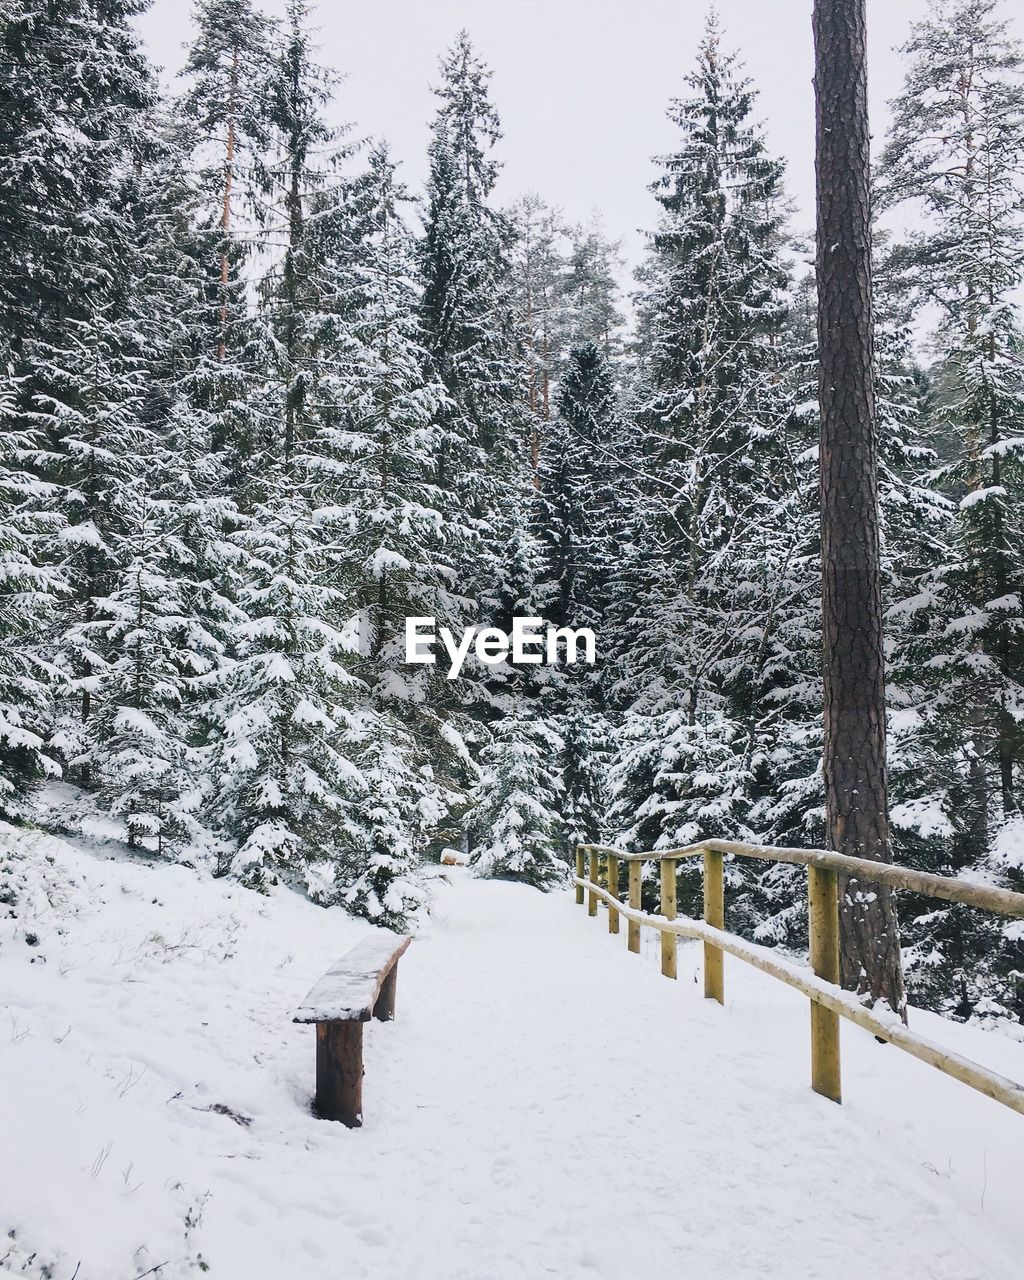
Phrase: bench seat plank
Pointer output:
(348, 991)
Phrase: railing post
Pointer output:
(592, 877)
(668, 910)
(579, 875)
(636, 871)
(823, 909)
(613, 889)
(714, 914)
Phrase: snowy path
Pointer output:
(545, 1105)
(581, 1113)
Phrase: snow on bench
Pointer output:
(358, 987)
(352, 988)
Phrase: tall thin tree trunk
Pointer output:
(854, 676)
(225, 217)
(545, 401)
(531, 354)
(1006, 727)
(293, 203)
(545, 376)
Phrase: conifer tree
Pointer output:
(142, 750)
(583, 766)
(278, 716)
(282, 780)
(577, 480)
(853, 660)
(514, 819)
(957, 147)
(590, 290)
(30, 593)
(469, 318)
(228, 67)
(956, 150)
(73, 130)
(223, 114)
(306, 154)
(390, 533)
(567, 296)
(483, 453)
(537, 265)
(711, 453)
(578, 510)
(73, 116)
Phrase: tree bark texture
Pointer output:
(854, 676)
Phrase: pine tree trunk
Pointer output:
(225, 217)
(854, 677)
(1006, 728)
(545, 407)
(293, 205)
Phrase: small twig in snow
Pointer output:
(130, 1080)
(222, 1109)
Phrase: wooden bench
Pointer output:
(360, 986)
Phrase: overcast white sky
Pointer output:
(581, 85)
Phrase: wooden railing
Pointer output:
(829, 1002)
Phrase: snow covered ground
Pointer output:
(545, 1104)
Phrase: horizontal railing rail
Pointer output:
(828, 1001)
(988, 897)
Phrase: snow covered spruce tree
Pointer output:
(155, 628)
(387, 524)
(276, 718)
(566, 296)
(282, 778)
(80, 358)
(512, 827)
(916, 522)
(959, 150)
(301, 179)
(39, 165)
(103, 374)
(228, 72)
(224, 116)
(30, 592)
(589, 290)
(711, 452)
(162, 623)
(577, 514)
(472, 338)
(515, 817)
(577, 489)
(584, 732)
(538, 267)
(482, 455)
(956, 150)
(142, 753)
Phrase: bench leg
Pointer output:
(384, 1009)
(339, 1072)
